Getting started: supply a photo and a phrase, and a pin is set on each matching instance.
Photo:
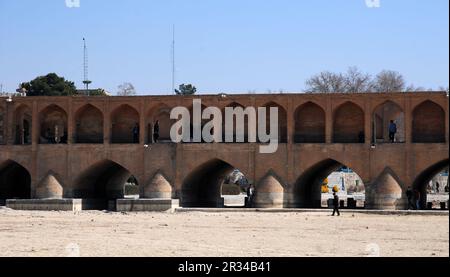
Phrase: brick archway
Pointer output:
(89, 125)
(428, 124)
(348, 124)
(309, 124)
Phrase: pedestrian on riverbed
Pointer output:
(409, 195)
(250, 193)
(417, 199)
(336, 204)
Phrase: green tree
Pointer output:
(49, 85)
(186, 90)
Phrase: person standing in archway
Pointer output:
(335, 204)
(156, 132)
(392, 131)
(136, 133)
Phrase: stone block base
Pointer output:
(146, 205)
(45, 204)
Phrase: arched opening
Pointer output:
(160, 114)
(388, 123)
(309, 124)
(125, 125)
(15, 181)
(89, 125)
(103, 183)
(315, 187)
(2, 126)
(428, 124)
(53, 125)
(431, 186)
(282, 121)
(204, 187)
(23, 123)
(348, 124)
(235, 131)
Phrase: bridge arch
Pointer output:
(309, 123)
(22, 125)
(53, 125)
(428, 124)
(15, 181)
(160, 113)
(202, 187)
(307, 189)
(102, 181)
(348, 124)
(423, 178)
(89, 125)
(234, 105)
(124, 119)
(382, 116)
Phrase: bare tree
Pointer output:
(126, 89)
(389, 81)
(326, 82)
(413, 88)
(357, 81)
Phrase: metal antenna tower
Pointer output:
(86, 81)
(173, 60)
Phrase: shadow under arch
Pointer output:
(89, 125)
(22, 125)
(422, 180)
(348, 123)
(202, 187)
(307, 188)
(53, 125)
(103, 181)
(428, 123)
(15, 181)
(310, 123)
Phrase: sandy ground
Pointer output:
(220, 234)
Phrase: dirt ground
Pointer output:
(220, 234)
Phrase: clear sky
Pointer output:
(222, 45)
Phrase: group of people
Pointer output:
(155, 132)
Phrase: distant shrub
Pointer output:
(131, 189)
(230, 189)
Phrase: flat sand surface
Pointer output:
(196, 234)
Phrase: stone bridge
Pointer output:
(84, 148)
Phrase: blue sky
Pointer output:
(222, 45)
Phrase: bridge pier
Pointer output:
(385, 193)
(269, 193)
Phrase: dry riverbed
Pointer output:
(220, 234)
